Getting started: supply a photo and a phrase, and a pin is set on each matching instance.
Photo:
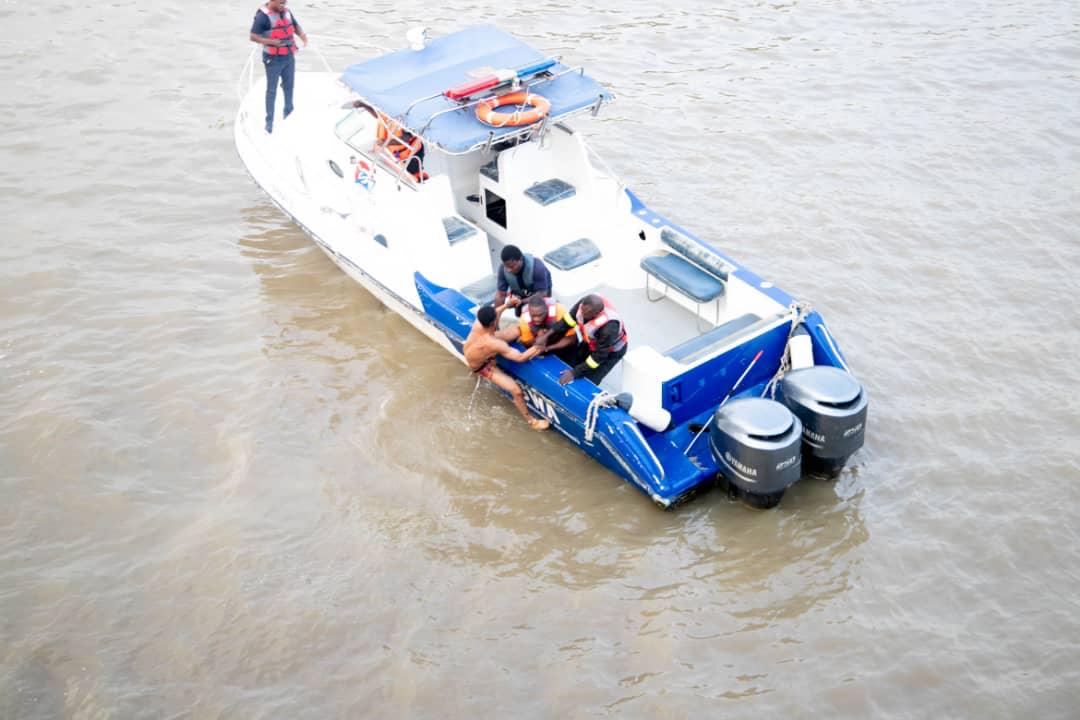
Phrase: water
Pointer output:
(236, 486)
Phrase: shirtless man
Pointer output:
(481, 348)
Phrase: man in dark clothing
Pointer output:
(274, 28)
(602, 339)
(520, 276)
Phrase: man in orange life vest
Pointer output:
(602, 339)
(274, 28)
(535, 326)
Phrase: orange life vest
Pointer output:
(399, 143)
(555, 312)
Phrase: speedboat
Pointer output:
(727, 378)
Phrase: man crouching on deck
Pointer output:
(484, 344)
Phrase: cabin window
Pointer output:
(355, 129)
(495, 208)
(491, 169)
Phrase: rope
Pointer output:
(800, 310)
(592, 413)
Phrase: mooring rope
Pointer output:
(592, 413)
(800, 310)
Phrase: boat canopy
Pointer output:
(409, 85)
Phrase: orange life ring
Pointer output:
(485, 110)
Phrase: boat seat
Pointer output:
(684, 276)
(481, 291)
(677, 272)
(701, 256)
(696, 347)
(573, 254)
(457, 229)
(550, 191)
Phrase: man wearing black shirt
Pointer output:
(520, 277)
(602, 339)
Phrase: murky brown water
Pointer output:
(235, 486)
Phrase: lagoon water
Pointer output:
(235, 486)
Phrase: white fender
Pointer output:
(652, 416)
(802, 349)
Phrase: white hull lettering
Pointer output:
(541, 404)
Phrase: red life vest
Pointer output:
(281, 28)
(602, 318)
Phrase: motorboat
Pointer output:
(727, 378)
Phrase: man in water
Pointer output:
(274, 28)
(481, 348)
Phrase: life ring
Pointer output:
(485, 110)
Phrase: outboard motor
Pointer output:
(756, 444)
(832, 407)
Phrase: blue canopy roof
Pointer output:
(394, 82)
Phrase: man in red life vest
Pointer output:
(275, 29)
(602, 339)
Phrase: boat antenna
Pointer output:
(417, 37)
(726, 398)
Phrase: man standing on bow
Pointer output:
(274, 28)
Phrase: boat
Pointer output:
(728, 379)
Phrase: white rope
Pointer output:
(592, 413)
(800, 310)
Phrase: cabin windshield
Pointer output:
(355, 129)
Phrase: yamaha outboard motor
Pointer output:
(756, 444)
(832, 406)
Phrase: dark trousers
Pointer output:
(281, 67)
(599, 372)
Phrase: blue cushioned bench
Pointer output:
(696, 347)
(684, 276)
(677, 272)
